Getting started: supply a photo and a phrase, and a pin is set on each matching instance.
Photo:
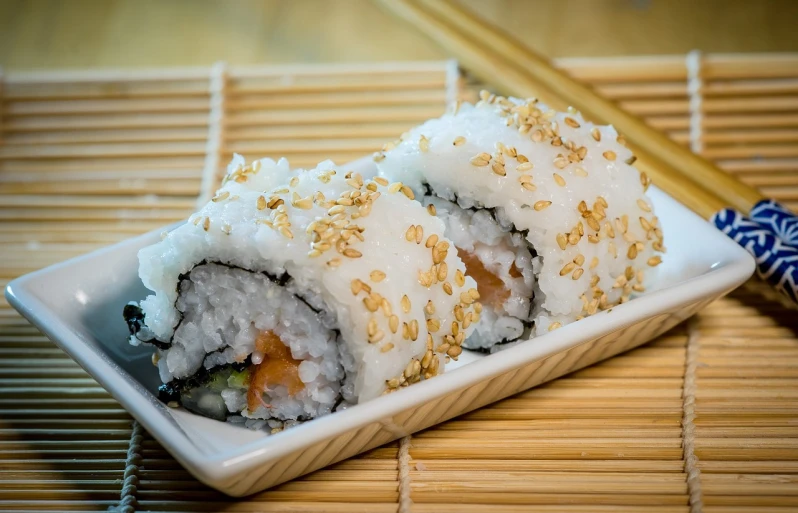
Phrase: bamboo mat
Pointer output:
(704, 417)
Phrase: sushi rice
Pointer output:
(291, 294)
(545, 208)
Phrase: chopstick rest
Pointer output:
(778, 219)
(769, 235)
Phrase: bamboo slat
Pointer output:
(91, 158)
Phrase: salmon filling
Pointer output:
(277, 368)
(492, 290)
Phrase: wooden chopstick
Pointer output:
(514, 69)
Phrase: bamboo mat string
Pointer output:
(128, 498)
(217, 89)
(688, 419)
(694, 90)
(405, 502)
(452, 81)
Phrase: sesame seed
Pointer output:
(443, 271)
(275, 202)
(638, 287)
(227, 229)
(459, 140)
(654, 261)
(577, 273)
(644, 181)
(643, 205)
(352, 253)
(220, 197)
(425, 279)
(429, 308)
(559, 179)
(454, 351)
(285, 232)
(356, 286)
(498, 169)
(526, 166)
(407, 191)
(372, 327)
(371, 304)
(431, 209)
(427, 359)
(419, 234)
(261, 203)
(562, 241)
(336, 210)
(645, 224)
(405, 304)
(522, 159)
(593, 239)
(567, 268)
(409, 369)
(612, 249)
(305, 203)
(379, 335)
(393, 323)
(540, 205)
(423, 143)
(560, 162)
(609, 155)
(555, 325)
(387, 347)
(433, 325)
(579, 259)
(596, 134)
(313, 253)
(478, 161)
(572, 122)
(631, 160)
(413, 330)
(459, 278)
(377, 276)
(478, 310)
(206, 224)
(395, 187)
(410, 234)
(431, 241)
(580, 171)
(592, 223)
(593, 263)
(447, 287)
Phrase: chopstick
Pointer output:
(515, 70)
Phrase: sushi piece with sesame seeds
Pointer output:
(545, 209)
(291, 293)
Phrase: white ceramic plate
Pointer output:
(78, 304)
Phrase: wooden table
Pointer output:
(121, 33)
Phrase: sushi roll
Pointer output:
(279, 303)
(545, 209)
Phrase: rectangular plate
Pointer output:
(78, 305)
